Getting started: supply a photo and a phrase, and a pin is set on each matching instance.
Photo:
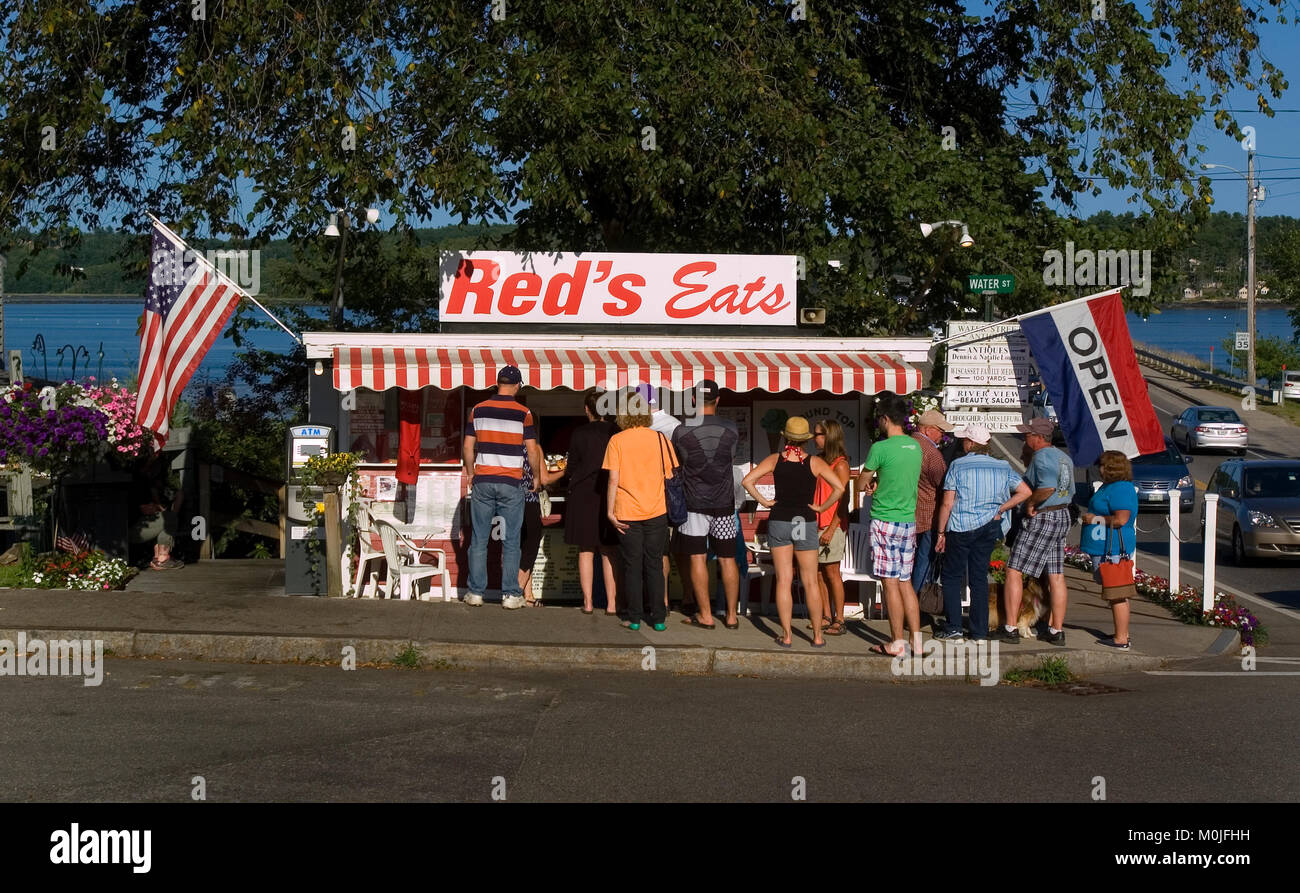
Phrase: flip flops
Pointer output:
(695, 621)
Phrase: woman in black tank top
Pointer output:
(792, 523)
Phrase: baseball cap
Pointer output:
(977, 433)
(649, 393)
(1041, 426)
(708, 390)
(935, 418)
(509, 375)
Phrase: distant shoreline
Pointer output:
(108, 299)
(1260, 304)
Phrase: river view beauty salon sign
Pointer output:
(657, 289)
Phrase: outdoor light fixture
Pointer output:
(966, 240)
(338, 227)
(320, 368)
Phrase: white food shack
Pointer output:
(572, 322)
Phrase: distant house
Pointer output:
(1191, 294)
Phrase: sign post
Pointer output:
(990, 370)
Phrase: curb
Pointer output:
(688, 659)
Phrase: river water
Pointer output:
(112, 328)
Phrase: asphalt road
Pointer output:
(298, 733)
(1277, 582)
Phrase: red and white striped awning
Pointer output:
(806, 371)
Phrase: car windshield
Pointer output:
(1170, 456)
(1218, 415)
(1281, 483)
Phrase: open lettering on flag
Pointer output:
(186, 304)
(1086, 359)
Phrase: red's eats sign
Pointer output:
(699, 289)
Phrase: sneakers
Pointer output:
(950, 635)
(1110, 642)
(472, 599)
(1001, 634)
(511, 602)
(1053, 638)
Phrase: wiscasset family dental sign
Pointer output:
(663, 289)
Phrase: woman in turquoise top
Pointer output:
(1112, 515)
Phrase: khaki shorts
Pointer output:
(832, 552)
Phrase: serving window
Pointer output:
(374, 428)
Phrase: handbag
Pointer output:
(674, 492)
(1117, 580)
(930, 595)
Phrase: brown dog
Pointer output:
(1033, 607)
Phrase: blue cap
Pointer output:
(510, 375)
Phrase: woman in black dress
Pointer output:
(585, 523)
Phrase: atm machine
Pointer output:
(301, 525)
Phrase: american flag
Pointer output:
(77, 543)
(186, 304)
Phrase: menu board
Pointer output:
(555, 573)
(741, 416)
(366, 424)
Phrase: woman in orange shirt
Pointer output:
(638, 459)
(833, 523)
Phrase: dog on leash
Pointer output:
(1034, 606)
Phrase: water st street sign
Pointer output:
(981, 283)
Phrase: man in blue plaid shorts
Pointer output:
(1041, 543)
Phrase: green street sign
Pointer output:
(979, 283)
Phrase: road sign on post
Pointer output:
(1243, 341)
(983, 284)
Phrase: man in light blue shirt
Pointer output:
(1040, 544)
(978, 491)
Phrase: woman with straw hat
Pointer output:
(792, 523)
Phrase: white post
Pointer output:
(1211, 540)
(1175, 510)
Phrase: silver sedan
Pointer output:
(1210, 427)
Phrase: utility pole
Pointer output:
(1250, 265)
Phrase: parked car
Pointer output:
(1210, 427)
(1041, 407)
(1259, 508)
(1156, 475)
(1291, 385)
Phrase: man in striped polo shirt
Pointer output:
(499, 430)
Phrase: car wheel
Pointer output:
(1238, 548)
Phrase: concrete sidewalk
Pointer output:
(227, 611)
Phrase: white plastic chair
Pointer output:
(761, 566)
(366, 553)
(406, 569)
(855, 566)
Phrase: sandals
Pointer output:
(835, 629)
(883, 650)
(168, 565)
(735, 625)
(784, 644)
(589, 610)
(695, 621)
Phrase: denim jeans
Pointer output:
(642, 548)
(966, 562)
(924, 558)
(487, 501)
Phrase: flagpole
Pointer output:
(1019, 317)
(233, 284)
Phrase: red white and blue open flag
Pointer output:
(1085, 356)
(186, 304)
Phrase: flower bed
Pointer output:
(1186, 603)
(85, 570)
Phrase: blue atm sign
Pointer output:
(309, 431)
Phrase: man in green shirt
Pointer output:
(890, 475)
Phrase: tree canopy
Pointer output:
(821, 129)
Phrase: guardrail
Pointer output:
(1164, 363)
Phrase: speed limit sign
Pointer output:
(1243, 341)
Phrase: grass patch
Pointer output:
(408, 658)
(11, 575)
(1050, 671)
